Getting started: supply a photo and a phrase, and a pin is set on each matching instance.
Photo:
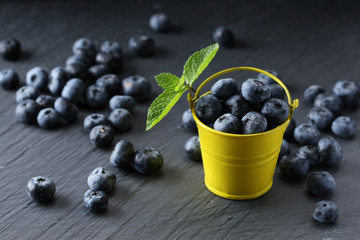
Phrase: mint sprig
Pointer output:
(174, 87)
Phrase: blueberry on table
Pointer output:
(224, 88)
(208, 108)
(311, 153)
(325, 212)
(227, 123)
(160, 22)
(102, 136)
(189, 121)
(330, 151)
(223, 36)
(77, 70)
(312, 91)
(192, 149)
(74, 91)
(10, 48)
(343, 126)
(112, 59)
(93, 120)
(111, 46)
(84, 46)
(329, 101)
(348, 91)
(48, 118)
(101, 179)
(111, 83)
(41, 189)
(26, 92)
(321, 117)
(294, 166)
(307, 134)
(79, 60)
(95, 201)
(276, 111)
(266, 79)
(45, 101)
(276, 91)
(320, 183)
(285, 149)
(27, 111)
(255, 91)
(57, 80)
(37, 77)
(120, 119)
(253, 122)
(148, 160)
(123, 155)
(9, 79)
(236, 105)
(96, 96)
(66, 109)
(122, 101)
(289, 132)
(143, 46)
(137, 87)
(96, 71)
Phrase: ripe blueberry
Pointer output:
(96, 71)
(321, 117)
(253, 122)
(223, 36)
(10, 48)
(325, 212)
(192, 149)
(208, 108)
(224, 88)
(306, 134)
(27, 111)
(84, 46)
(276, 111)
(26, 92)
(37, 77)
(266, 79)
(142, 46)
(255, 91)
(276, 91)
(101, 179)
(9, 79)
(96, 96)
(123, 155)
(113, 59)
(320, 183)
(66, 109)
(137, 87)
(74, 91)
(148, 160)
(294, 166)
(45, 101)
(93, 120)
(329, 101)
(348, 91)
(285, 149)
(344, 127)
(236, 105)
(120, 119)
(330, 151)
(102, 136)
(111, 83)
(57, 80)
(311, 153)
(189, 121)
(311, 92)
(122, 101)
(95, 201)
(289, 132)
(111, 46)
(160, 22)
(48, 118)
(227, 123)
(41, 189)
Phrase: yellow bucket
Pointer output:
(240, 166)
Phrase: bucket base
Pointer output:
(239, 197)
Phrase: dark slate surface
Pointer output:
(305, 42)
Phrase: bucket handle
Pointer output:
(293, 104)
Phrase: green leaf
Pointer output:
(162, 105)
(197, 63)
(167, 80)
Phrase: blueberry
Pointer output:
(102, 136)
(45, 101)
(253, 122)
(192, 149)
(294, 166)
(9, 79)
(344, 127)
(224, 88)
(37, 77)
(142, 46)
(285, 149)
(306, 134)
(26, 111)
(227, 123)
(189, 121)
(77, 70)
(57, 80)
(96, 71)
(120, 118)
(66, 109)
(95, 201)
(330, 151)
(320, 183)
(123, 155)
(96, 96)
(122, 101)
(236, 105)
(79, 60)
(112, 59)
(41, 189)
(325, 212)
(74, 91)
(160, 22)
(101, 179)
(208, 108)
(312, 91)
(320, 117)
(148, 160)
(276, 91)
(348, 91)
(255, 91)
(268, 80)
(223, 36)
(137, 87)
(48, 118)
(276, 111)
(110, 46)
(84, 46)
(311, 153)
(26, 92)
(329, 101)
(10, 48)
(111, 83)
(93, 120)
(289, 132)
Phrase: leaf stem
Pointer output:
(190, 88)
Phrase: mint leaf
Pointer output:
(167, 80)
(197, 63)
(162, 105)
